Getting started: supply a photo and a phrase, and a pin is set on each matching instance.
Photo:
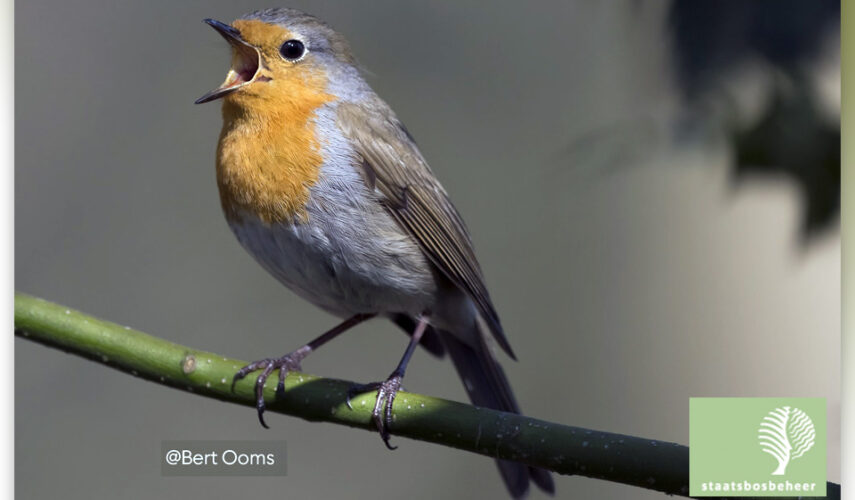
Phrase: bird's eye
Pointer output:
(292, 50)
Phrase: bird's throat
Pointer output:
(268, 156)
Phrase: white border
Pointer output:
(7, 194)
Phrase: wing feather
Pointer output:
(394, 166)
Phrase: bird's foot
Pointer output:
(382, 413)
(287, 363)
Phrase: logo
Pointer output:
(786, 434)
(757, 447)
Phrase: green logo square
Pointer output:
(761, 447)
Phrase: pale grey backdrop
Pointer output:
(623, 293)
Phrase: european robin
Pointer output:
(327, 190)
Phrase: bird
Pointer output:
(324, 186)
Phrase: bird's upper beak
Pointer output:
(246, 61)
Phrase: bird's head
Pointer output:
(281, 54)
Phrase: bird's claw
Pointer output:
(382, 412)
(288, 363)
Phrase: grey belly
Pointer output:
(346, 261)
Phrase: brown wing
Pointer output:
(396, 168)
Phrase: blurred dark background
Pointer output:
(598, 165)
(785, 55)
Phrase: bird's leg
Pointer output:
(388, 389)
(290, 362)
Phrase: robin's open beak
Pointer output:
(246, 61)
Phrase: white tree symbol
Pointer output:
(786, 434)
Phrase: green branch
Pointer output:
(655, 465)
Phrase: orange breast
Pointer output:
(269, 152)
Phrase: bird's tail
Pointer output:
(487, 386)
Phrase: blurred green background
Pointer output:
(624, 291)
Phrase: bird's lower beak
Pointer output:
(246, 61)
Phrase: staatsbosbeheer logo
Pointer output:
(757, 447)
(786, 433)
